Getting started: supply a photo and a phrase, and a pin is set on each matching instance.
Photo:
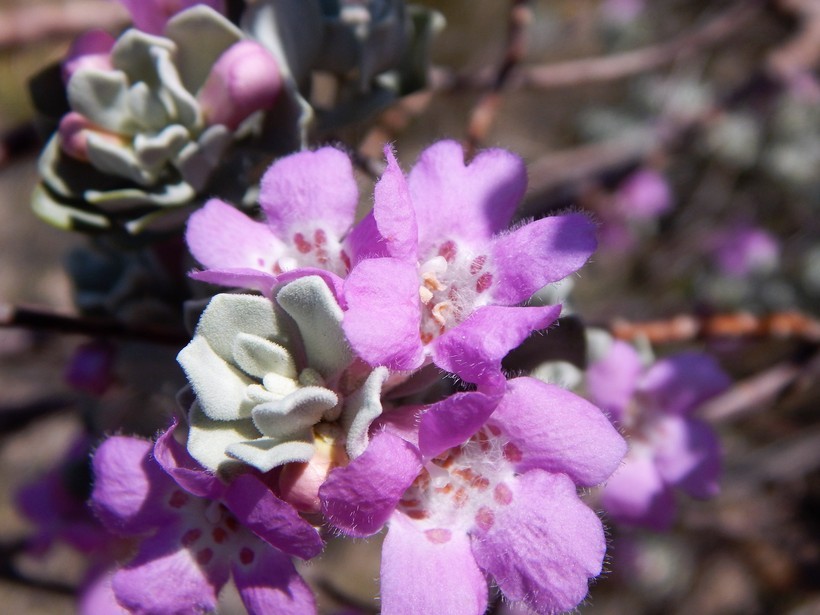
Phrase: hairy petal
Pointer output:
(680, 383)
(270, 584)
(453, 420)
(688, 456)
(429, 572)
(544, 546)
(307, 188)
(475, 347)
(558, 431)
(393, 212)
(165, 577)
(360, 497)
(471, 202)
(611, 382)
(128, 486)
(221, 237)
(539, 253)
(383, 314)
(273, 520)
(184, 469)
(637, 495)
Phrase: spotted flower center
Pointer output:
(211, 532)
(463, 488)
(311, 248)
(451, 284)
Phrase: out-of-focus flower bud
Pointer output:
(745, 250)
(644, 195)
(152, 15)
(89, 50)
(244, 80)
(90, 369)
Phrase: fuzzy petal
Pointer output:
(544, 546)
(636, 494)
(611, 382)
(248, 279)
(393, 212)
(360, 497)
(383, 315)
(453, 420)
(310, 189)
(184, 469)
(273, 520)
(680, 383)
(221, 237)
(165, 578)
(429, 572)
(129, 486)
(474, 348)
(558, 431)
(538, 254)
(688, 456)
(270, 584)
(471, 202)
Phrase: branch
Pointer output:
(485, 111)
(30, 24)
(687, 328)
(39, 319)
(14, 418)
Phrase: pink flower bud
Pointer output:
(89, 50)
(74, 129)
(644, 195)
(299, 482)
(151, 15)
(244, 79)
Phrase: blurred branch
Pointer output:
(28, 24)
(13, 418)
(9, 572)
(39, 319)
(686, 328)
(611, 67)
(17, 141)
(484, 113)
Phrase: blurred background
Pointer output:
(689, 129)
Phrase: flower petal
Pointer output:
(128, 486)
(544, 545)
(165, 577)
(429, 572)
(473, 350)
(558, 431)
(470, 202)
(393, 212)
(453, 420)
(680, 383)
(360, 497)
(269, 583)
(611, 382)
(636, 494)
(310, 189)
(184, 469)
(383, 313)
(538, 254)
(688, 456)
(221, 237)
(274, 521)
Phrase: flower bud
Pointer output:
(74, 129)
(245, 79)
(89, 50)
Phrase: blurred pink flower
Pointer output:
(744, 250)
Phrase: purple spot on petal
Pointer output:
(246, 556)
(204, 556)
(477, 264)
(484, 282)
(502, 494)
(484, 518)
(190, 537)
(178, 499)
(219, 534)
(448, 250)
(438, 536)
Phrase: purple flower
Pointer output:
(643, 195)
(197, 532)
(743, 250)
(433, 270)
(668, 448)
(89, 50)
(151, 15)
(486, 486)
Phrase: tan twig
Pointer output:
(685, 328)
(484, 113)
(30, 24)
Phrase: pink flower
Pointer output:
(668, 448)
(151, 15)
(470, 496)
(744, 250)
(89, 50)
(433, 271)
(198, 531)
